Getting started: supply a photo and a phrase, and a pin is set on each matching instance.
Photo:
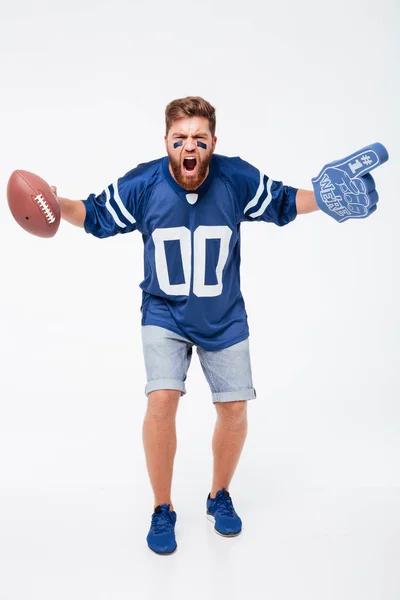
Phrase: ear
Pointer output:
(214, 142)
(166, 143)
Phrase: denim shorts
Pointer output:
(167, 357)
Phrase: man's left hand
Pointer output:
(344, 189)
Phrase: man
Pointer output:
(188, 207)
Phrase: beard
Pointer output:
(190, 182)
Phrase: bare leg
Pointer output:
(159, 440)
(228, 441)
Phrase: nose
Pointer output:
(190, 145)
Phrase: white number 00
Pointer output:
(182, 234)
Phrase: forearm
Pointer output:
(305, 202)
(73, 211)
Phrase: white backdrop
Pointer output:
(83, 91)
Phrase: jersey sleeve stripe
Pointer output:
(256, 198)
(111, 210)
(266, 202)
(121, 205)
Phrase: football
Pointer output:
(33, 204)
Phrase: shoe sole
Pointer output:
(212, 520)
(163, 553)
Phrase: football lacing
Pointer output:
(45, 208)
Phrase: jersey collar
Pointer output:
(200, 190)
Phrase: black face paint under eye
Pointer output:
(202, 145)
(177, 144)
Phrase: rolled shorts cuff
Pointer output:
(165, 384)
(248, 394)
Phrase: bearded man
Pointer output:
(188, 206)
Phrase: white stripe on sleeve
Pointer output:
(256, 198)
(121, 205)
(265, 203)
(112, 211)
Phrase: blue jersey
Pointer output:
(192, 241)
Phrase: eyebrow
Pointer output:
(197, 134)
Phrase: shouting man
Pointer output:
(188, 207)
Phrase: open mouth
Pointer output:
(189, 164)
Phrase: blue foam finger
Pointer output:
(364, 160)
(343, 188)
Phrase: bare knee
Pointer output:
(162, 404)
(233, 412)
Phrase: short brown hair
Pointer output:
(191, 106)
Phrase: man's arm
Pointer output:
(73, 211)
(305, 202)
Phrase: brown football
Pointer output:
(33, 204)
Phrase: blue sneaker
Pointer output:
(221, 512)
(161, 537)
